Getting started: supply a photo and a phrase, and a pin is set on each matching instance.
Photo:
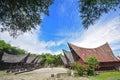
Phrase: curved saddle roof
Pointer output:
(102, 53)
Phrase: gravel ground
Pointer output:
(39, 74)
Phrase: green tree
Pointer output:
(92, 63)
(15, 50)
(49, 59)
(19, 16)
(2, 43)
(57, 60)
(43, 59)
(4, 47)
(92, 10)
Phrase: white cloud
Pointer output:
(58, 52)
(101, 33)
(30, 42)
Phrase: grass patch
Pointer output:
(106, 76)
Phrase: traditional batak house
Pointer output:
(37, 62)
(30, 64)
(15, 62)
(64, 61)
(103, 54)
(69, 57)
(18, 63)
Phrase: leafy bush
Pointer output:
(89, 70)
(78, 67)
(91, 65)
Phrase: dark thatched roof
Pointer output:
(31, 59)
(38, 60)
(9, 58)
(64, 60)
(69, 56)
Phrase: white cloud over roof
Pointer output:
(108, 31)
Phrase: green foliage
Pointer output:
(89, 70)
(92, 10)
(32, 54)
(78, 67)
(19, 16)
(57, 60)
(92, 62)
(49, 59)
(91, 65)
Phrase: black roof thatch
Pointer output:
(69, 56)
(9, 58)
(39, 60)
(31, 59)
(64, 60)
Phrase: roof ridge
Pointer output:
(86, 47)
(103, 50)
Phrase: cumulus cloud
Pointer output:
(108, 31)
(30, 42)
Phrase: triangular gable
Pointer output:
(69, 56)
(64, 60)
(31, 59)
(38, 60)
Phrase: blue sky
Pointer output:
(64, 25)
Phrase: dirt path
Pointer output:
(39, 74)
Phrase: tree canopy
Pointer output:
(92, 10)
(49, 59)
(19, 16)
